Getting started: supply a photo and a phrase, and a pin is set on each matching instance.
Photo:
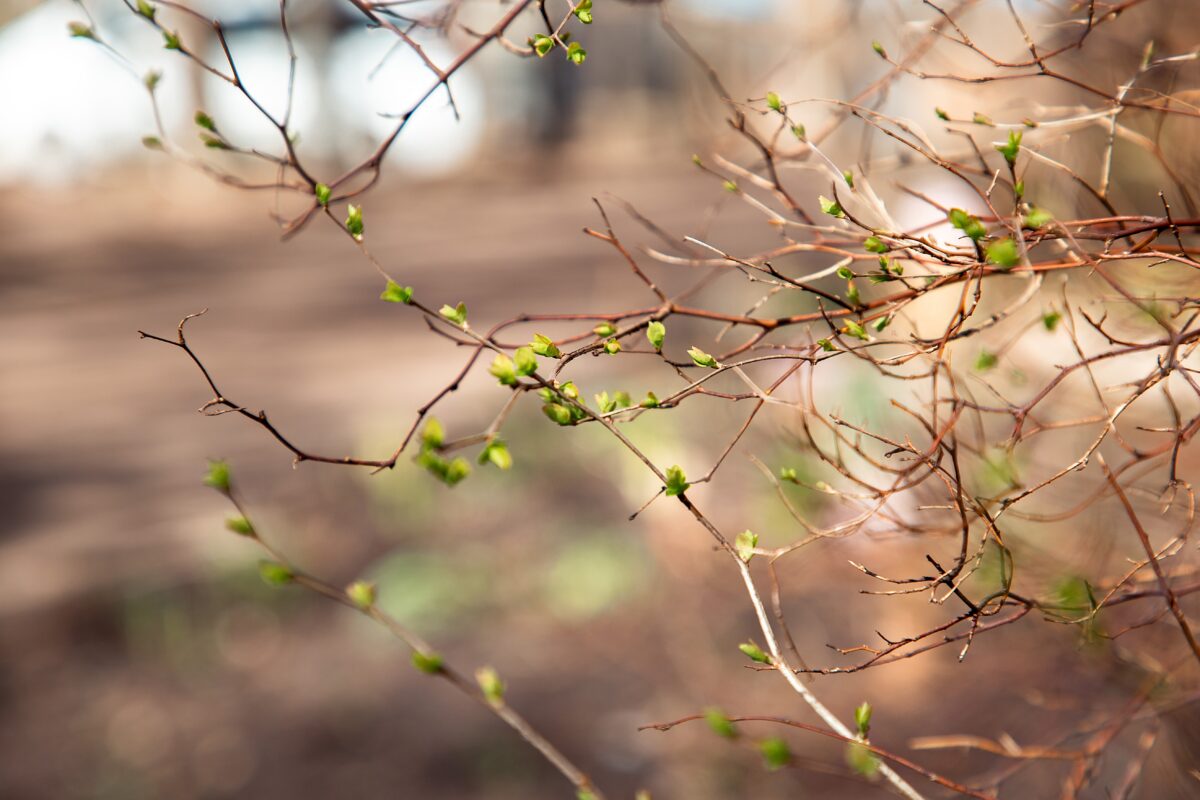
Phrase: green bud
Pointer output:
(848, 177)
(676, 481)
(827, 345)
(1004, 253)
(274, 573)
(775, 752)
(205, 121)
(656, 332)
(982, 119)
(873, 244)
(146, 10)
(878, 48)
(852, 328)
(395, 293)
(744, 543)
(604, 329)
(651, 401)
(967, 223)
(490, 684)
(719, 723)
(789, 474)
(152, 143)
(852, 295)
(496, 453)
(240, 526)
(702, 359)
(576, 54)
(583, 12)
(831, 207)
(218, 476)
(151, 79)
(799, 132)
(622, 399)
(845, 273)
(754, 653)
(504, 370)
(429, 663)
(323, 193)
(1051, 319)
(525, 360)
(860, 759)
(569, 390)
(214, 142)
(1037, 218)
(1011, 148)
(171, 41)
(544, 346)
(612, 347)
(361, 594)
(605, 403)
(941, 114)
(456, 314)
(541, 44)
(882, 323)
(433, 434)
(773, 102)
(558, 412)
(730, 186)
(354, 221)
(862, 719)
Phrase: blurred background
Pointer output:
(140, 654)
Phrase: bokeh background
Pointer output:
(140, 654)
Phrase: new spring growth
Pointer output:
(395, 293)
(754, 653)
(612, 347)
(146, 10)
(656, 333)
(744, 544)
(541, 44)
(525, 360)
(583, 12)
(702, 359)
(773, 102)
(719, 723)
(490, 684)
(604, 330)
(544, 346)
(1037, 218)
(171, 41)
(429, 663)
(218, 476)
(361, 594)
(862, 719)
(504, 370)
(456, 314)
(204, 121)
(775, 752)
(878, 48)
(651, 401)
(354, 222)
(1011, 147)
(576, 54)
(323, 193)
(676, 481)
(968, 224)
(1004, 253)
(274, 573)
(831, 207)
(496, 453)
(80, 30)
(240, 525)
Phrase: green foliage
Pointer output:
(146, 9)
(656, 333)
(719, 723)
(702, 359)
(583, 12)
(323, 193)
(873, 244)
(240, 525)
(395, 293)
(1004, 253)
(81, 30)
(430, 663)
(504, 370)
(576, 54)
(754, 653)
(775, 752)
(361, 594)
(275, 574)
(676, 481)
(773, 102)
(862, 719)
(860, 759)
(1051, 319)
(218, 476)
(1010, 148)
(744, 543)
(496, 453)
(544, 346)
(831, 207)
(490, 684)
(986, 360)
(968, 224)
(1037, 218)
(455, 314)
(354, 221)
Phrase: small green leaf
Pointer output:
(773, 102)
(845, 273)
(240, 526)
(848, 177)
(986, 360)
(719, 723)
(151, 79)
(827, 345)
(852, 295)
(656, 332)
(676, 481)
(605, 403)
(878, 48)
(542, 44)
(862, 719)
(754, 653)
(559, 413)
(604, 329)
(146, 10)
(544, 346)
(831, 207)
(1004, 253)
(433, 435)
(504, 370)
(171, 41)
(205, 121)
(612, 347)
(218, 476)
(395, 293)
(967, 223)
(651, 401)
(1037, 218)
(799, 132)
(730, 186)
(789, 474)
(702, 359)
(456, 314)
(496, 453)
(152, 143)
(583, 12)
(941, 114)
(882, 323)
(569, 390)
(982, 119)
(775, 752)
(744, 543)
(1011, 147)
(214, 142)
(429, 663)
(856, 330)
(323, 193)
(362, 594)
(354, 221)
(274, 573)
(622, 399)
(576, 54)
(525, 360)
(1051, 319)
(490, 684)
